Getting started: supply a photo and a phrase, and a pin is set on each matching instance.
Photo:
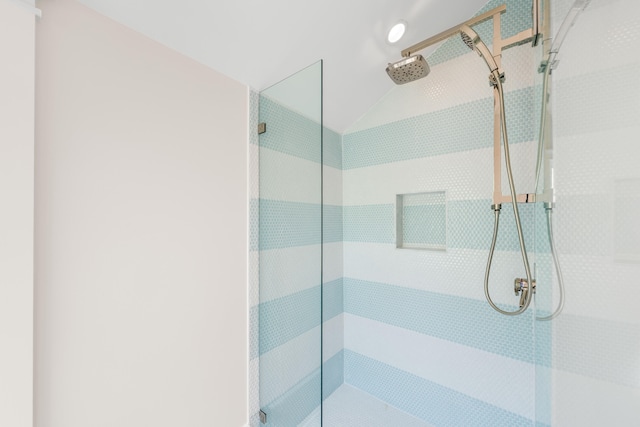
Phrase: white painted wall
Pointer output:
(17, 43)
(141, 231)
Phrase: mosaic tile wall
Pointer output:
(432, 304)
(418, 331)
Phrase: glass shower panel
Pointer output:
(594, 364)
(290, 251)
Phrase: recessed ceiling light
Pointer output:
(396, 32)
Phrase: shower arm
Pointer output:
(453, 30)
(495, 13)
(498, 45)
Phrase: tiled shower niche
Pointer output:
(421, 221)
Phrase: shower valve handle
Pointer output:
(521, 287)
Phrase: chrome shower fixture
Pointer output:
(408, 69)
(413, 67)
(403, 72)
(473, 42)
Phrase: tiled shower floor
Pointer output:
(350, 407)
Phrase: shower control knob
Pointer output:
(521, 287)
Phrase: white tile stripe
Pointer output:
(333, 337)
(576, 56)
(288, 178)
(472, 178)
(289, 269)
(501, 381)
(332, 186)
(457, 272)
(284, 366)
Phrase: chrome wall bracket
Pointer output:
(263, 417)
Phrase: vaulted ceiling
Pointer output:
(259, 42)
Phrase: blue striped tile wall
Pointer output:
(288, 224)
(429, 401)
(286, 318)
(469, 225)
(296, 135)
(460, 128)
(464, 321)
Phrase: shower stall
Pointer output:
(369, 248)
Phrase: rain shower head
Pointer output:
(473, 41)
(408, 69)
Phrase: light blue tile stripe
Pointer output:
(297, 403)
(424, 224)
(332, 374)
(280, 224)
(332, 223)
(469, 225)
(426, 400)
(288, 224)
(289, 132)
(465, 321)
(332, 148)
(286, 318)
(369, 223)
(463, 127)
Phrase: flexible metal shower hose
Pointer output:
(516, 213)
(552, 245)
(549, 207)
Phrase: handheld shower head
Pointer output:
(408, 69)
(473, 41)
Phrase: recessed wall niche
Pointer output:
(421, 221)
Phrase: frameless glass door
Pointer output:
(290, 250)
